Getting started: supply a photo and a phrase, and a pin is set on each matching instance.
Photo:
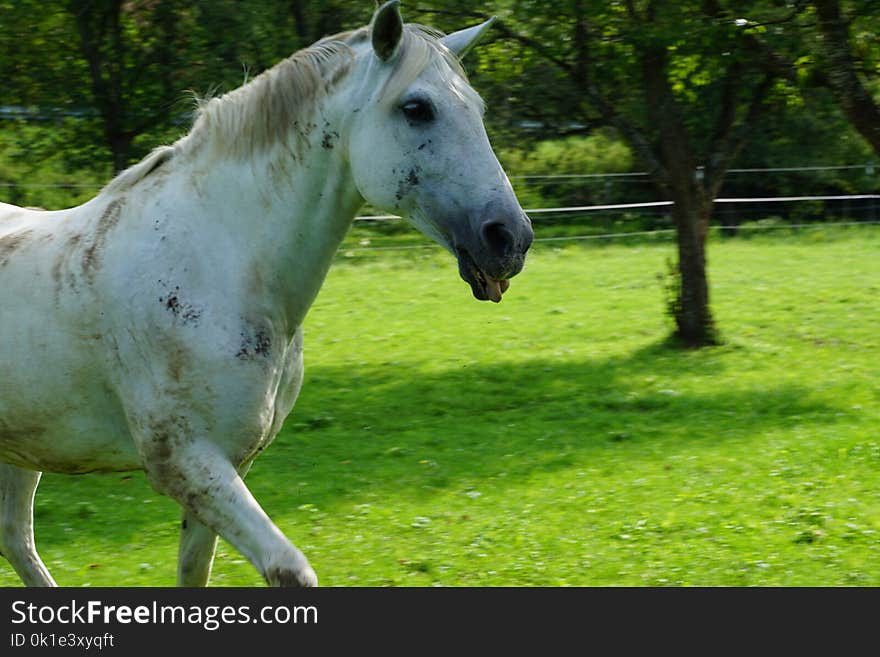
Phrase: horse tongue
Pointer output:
(494, 289)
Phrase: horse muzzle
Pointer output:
(494, 255)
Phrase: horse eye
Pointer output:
(418, 111)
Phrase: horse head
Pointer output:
(418, 148)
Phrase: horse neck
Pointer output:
(287, 213)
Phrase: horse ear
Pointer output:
(387, 28)
(462, 41)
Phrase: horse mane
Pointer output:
(281, 100)
(137, 172)
(278, 106)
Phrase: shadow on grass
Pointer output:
(402, 431)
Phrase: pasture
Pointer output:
(553, 439)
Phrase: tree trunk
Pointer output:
(692, 207)
(695, 326)
(299, 21)
(120, 146)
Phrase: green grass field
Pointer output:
(553, 439)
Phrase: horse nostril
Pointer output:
(497, 237)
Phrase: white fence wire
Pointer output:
(634, 233)
(655, 204)
(730, 202)
(724, 206)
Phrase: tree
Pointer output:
(841, 74)
(679, 81)
(131, 53)
(823, 43)
(124, 66)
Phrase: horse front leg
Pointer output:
(196, 553)
(17, 488)
(198, 544)
(209, 487)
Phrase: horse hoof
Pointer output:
(293, 577)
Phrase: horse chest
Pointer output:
(282, 390)
(288, 384)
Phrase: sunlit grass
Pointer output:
(553, 439)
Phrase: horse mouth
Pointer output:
(484, 287)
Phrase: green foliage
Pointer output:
(61, 176)
(670, 284)
(600, 153)
(539, 75)
(125, 68)
(552, 440)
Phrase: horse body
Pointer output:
(55, 408)
(202, 324)
(161, 329)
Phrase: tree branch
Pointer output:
(534, 45)
(730, 141)
(856, 102)
(607, 111)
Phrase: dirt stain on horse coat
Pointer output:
(165, 436)
(10, 243)
(185, 312)
(330, 137)
(255, 343)
(11, 435)
(405, 185)
(91, 260)
(59, 266)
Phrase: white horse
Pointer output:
(157, 326)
